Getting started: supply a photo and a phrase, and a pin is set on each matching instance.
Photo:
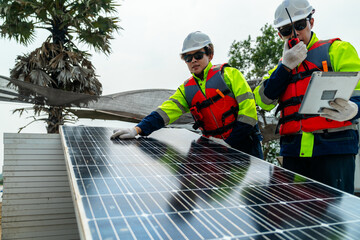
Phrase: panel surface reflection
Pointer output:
(177, 185)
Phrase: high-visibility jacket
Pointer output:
(177, 104)
(289, 103)
(244, 136)
(214, 111)
(343, 140)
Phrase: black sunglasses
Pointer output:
(198, 56)
(298, 25)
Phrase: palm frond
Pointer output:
(58, 63)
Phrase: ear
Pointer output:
(280, 36)
(311, 23)
(211, 56)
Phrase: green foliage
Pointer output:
(52, 65)
(91, 22)
(58, 63)
(255, 58)
(271, 150)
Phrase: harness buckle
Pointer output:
(197, 115)
(296, 77)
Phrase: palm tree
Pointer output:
(58, 63)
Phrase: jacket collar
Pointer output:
(313, 40)
(206, 71)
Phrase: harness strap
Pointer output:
(211, 100)
(301, 75)
(233, 111)
(296, 117)
(219, 130)
(198, 124)
(293, 117)
(290, 102)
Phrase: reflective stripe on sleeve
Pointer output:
(264, 98)
(245, 96)
(246, 119)
(178, 104)
(164, 116)
(259, 100)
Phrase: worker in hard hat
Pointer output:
(322, 147)
(218, 97)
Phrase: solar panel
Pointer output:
(178, 185)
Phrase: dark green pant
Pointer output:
(337, 171)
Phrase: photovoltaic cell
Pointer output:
(178, 185)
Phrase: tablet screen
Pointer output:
(327, 86)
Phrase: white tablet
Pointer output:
(326, 86)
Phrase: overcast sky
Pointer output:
(146, 53)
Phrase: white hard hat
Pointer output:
(194, 41)
(298, 9)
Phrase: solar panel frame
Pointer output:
(120, 189)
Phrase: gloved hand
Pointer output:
(294, 56)
(346, 110)
(124, 133)
(219, 141)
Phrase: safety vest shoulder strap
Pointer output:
(216, 68)
(220, 67)
(319, 52)
(189, 81)
(322, 42)
(191, 86)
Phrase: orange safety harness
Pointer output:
(214, 112)
(289, 103)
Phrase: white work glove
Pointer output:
(294, 56)
(219, 141)
(345, 110)
(124, 133)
